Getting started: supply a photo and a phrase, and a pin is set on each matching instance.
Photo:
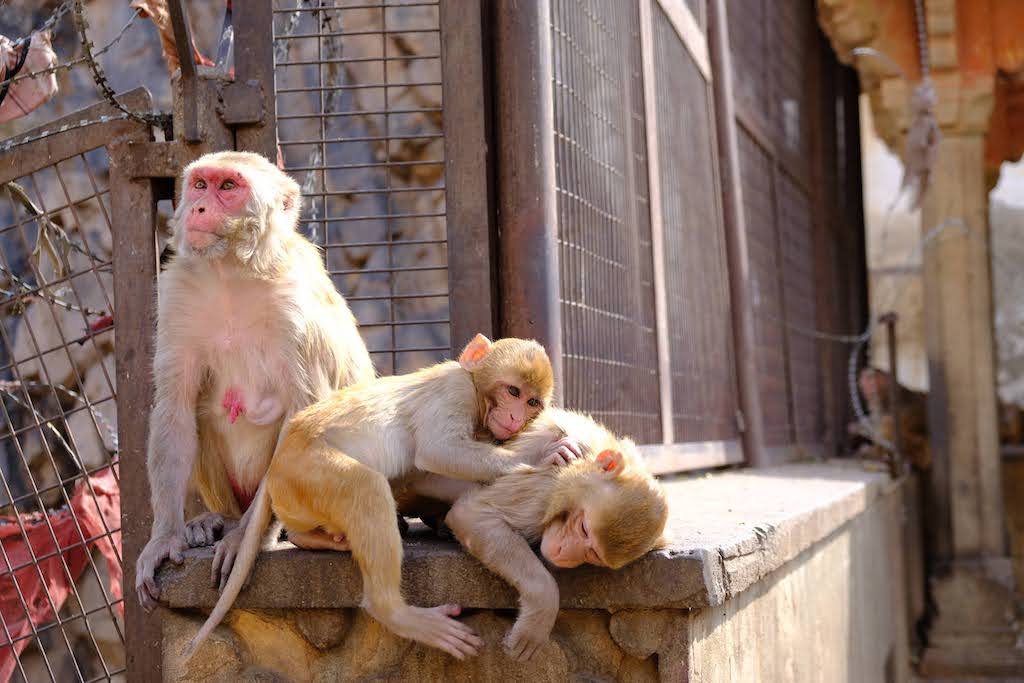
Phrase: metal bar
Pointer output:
(358, 60)
(183, 46)
(527, 216)
(254, 64)
(355, 7)
(367, 138)
(735, 234)
(361, 86)
(689, 32)
(684, 457)
(182, 37)
(135, 267)
(469, 187)
(657, 224)
(368, 112)
(24, 159)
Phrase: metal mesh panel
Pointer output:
(793, 24)
(702, 364)
(605, 242)
(766, 289)
(359, 119)
(57, 435)
(748, 41)
(796, 239)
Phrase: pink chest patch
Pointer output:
(233, 404)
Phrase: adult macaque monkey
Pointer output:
(330, 476)
(603, 508)
(249, 330)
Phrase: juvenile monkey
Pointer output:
(249, 329)
(330, 476)
(603, 508)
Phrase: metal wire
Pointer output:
(154, 118)
(359, 120)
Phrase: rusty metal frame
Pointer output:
(133, 233)
(734, 221)
(657, 225)
(469, 187)
(524, 139)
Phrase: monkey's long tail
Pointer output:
(244, 561)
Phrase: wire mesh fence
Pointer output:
(359, 119)
(60, 596)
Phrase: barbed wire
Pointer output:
(152, 118)
(89, 58)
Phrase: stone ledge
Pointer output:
(729, 530)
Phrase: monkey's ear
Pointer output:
(610, 462)
(475, 352)
(290, 199)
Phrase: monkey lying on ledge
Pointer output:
(602, 508)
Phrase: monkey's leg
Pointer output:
(350, 498)
(489, 538)
(211, 480)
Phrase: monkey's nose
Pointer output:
(202, 209)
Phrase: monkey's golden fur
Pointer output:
(332, 469)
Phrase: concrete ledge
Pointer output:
(729, 530)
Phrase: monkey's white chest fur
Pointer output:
(235, 330)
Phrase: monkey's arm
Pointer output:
(486, 535)
(173, 445)
(464, 458)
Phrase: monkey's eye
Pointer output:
(514, 391)
(228, 185)
(533, 403)
(200, 185)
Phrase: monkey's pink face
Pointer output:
(213, 196)
(511, 406)
(568, 541)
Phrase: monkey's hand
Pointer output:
(537, 614)
(158, 549)
(562, 452)
(204, 529)
(224, 557)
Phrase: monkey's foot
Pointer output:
(318, 540)
(530, 633)
(207, 528)
(433, 626)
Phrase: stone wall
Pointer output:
(797, 573)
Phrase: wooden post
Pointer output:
(974, 632)
(133, 218)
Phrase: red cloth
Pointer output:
(26, 579)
